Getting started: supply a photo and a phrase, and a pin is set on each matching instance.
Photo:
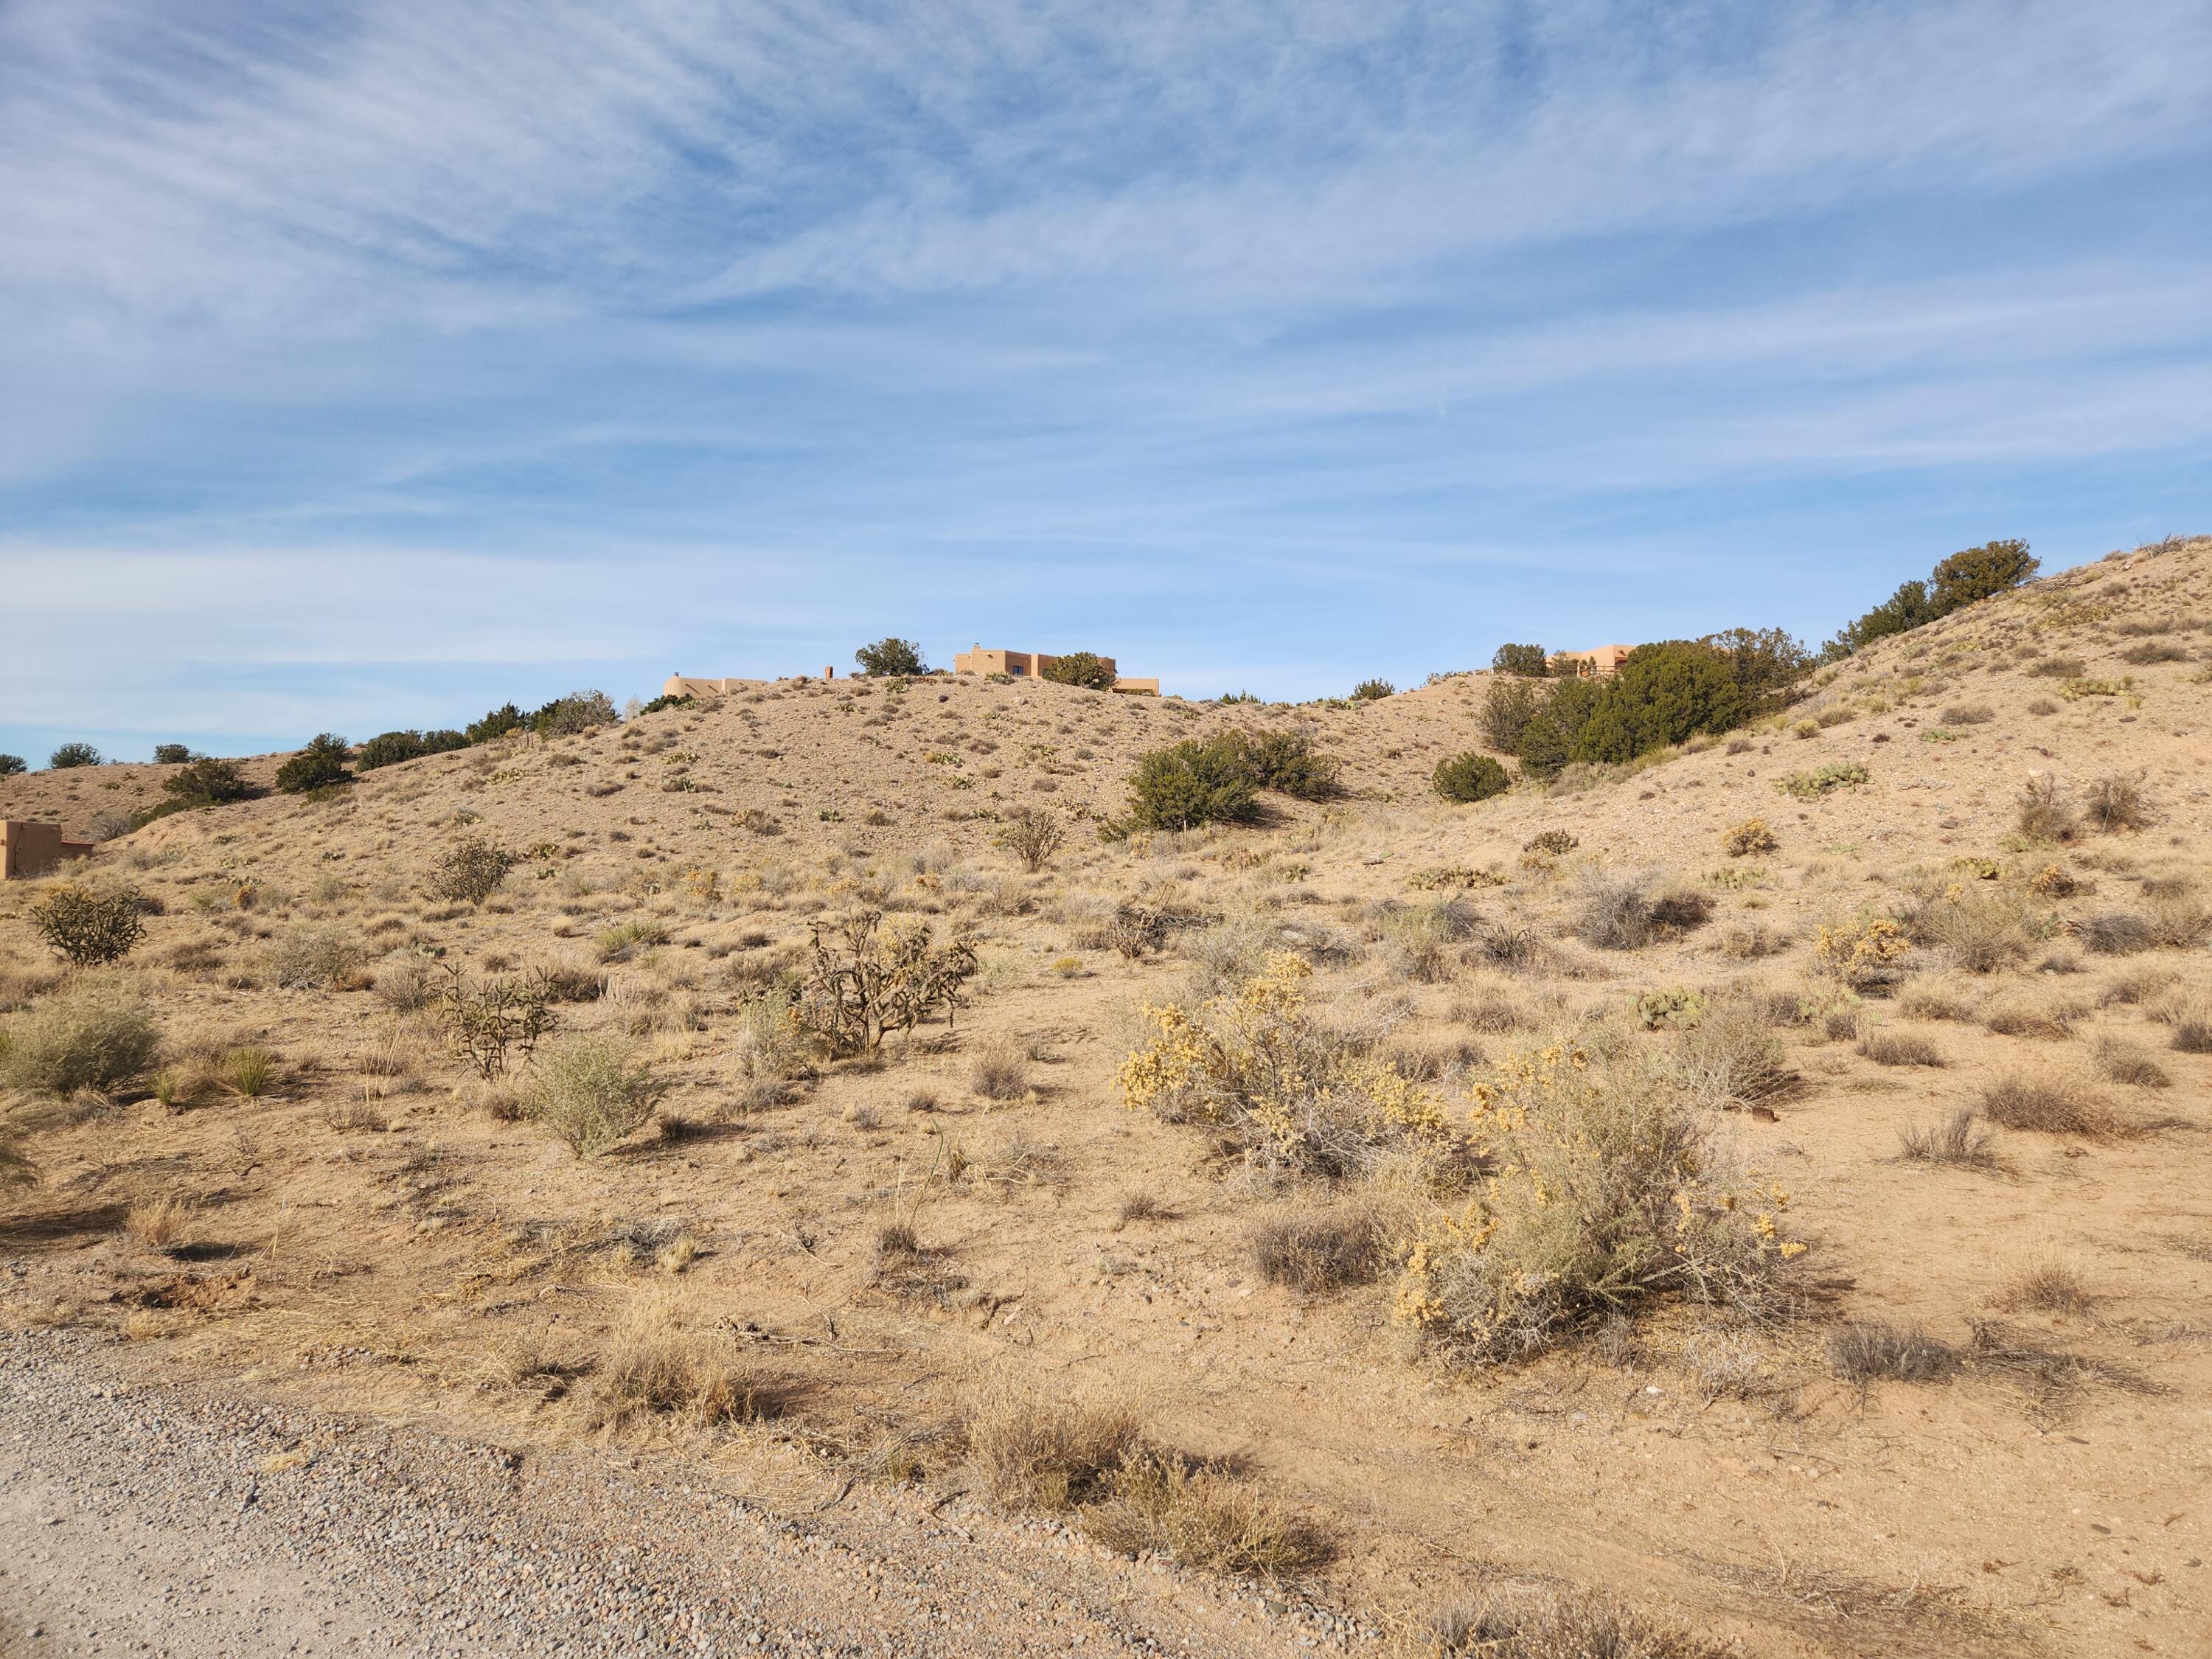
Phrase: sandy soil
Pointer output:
(365, 1239)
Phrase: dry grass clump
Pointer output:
(406, 983)
(2177, 922)
(1199, 1517)
(1047, 1452)
(2192, 1021)
(162, 1225)
(591, 1092)
(1317, 1251)
(1000, 1072)
(1886, 1046)
(1566, 1627)
(1926, 997)
(2119, 1060)
(1609, 1192)
(1955, 1140)
(1490, 1010)
(1088, 1452)
(2118, 934)
(1975, 934)
(1731, 1058)
(2045, 812)
(1962, 714)
(2048, 1286)
(2116, 803)
(2049, 1104)
(248, 1071)
(2018, 1015)
(1874, 1350)
(95, 1033)
(314, 959)
(1619, 914)
(652, 1366)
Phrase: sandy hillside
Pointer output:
(891, 1248)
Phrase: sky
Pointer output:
(365, 365)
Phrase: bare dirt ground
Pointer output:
(360, 1240)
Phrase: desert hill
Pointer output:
(896, 1246)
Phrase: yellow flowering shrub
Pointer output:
(1604, 1192)
(1254, 1061)
(1862, 951)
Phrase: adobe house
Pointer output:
(29, 850)
(1601, 664)
(1031, 665)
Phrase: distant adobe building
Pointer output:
(1600, 664)
(28, 849)
(1031, 665)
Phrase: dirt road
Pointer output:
(138, 1519)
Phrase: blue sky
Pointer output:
(365, 365)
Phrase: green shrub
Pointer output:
(1980, 573)
(207, 782)
(95, 1034)
(1470, 777)
(579, 711)
(1288, 763)
(591, 1092)
(1527, 660)
(73, 754)
(1662, 694)
(1084, 668)
(666, 702)
(318, 766)
(1373, 690)
(171, 754)
(1547, 735)
(890, 656)
(12, 766)
(1198, 780)
(1764, 662)
(497, 724)
(1556, 842)
(389, 749)
(1510, 704)
(87, 927)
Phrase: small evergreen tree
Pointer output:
(580, 711)
(1198, 780)
(73, 754)
(12, 766)
(207, 782)
(1527, 660)
(1981, 572)
(172, 754)
(1373, 690)
(1470, 777)
(1084, 668)
(1511, 703)
(890, 656)
(320, 765)
(389, 749)
(497, 724)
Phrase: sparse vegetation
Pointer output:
(1033, 835)
(1317, 1251)
(868, 982)
(471, 871)
(890, 657)
(87, 927)
(1875, 1351)
(1954, 1139)
(96, 1033)
(1822, 780)
(1610, 1194)
(2116, 803)
(591, 1090)
(2048, 1103)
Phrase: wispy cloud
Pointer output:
(400, 342)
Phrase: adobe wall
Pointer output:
(29, 850)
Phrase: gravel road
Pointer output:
(153, 1519)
